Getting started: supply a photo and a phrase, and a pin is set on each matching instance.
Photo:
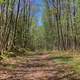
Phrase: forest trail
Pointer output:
(38, 67)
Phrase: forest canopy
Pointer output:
(25, 24)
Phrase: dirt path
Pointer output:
(40, 67)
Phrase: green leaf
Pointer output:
(1, 1)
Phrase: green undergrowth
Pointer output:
(15, 53)
(69, 58)
(10, 59)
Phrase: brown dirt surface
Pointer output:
(39, 67)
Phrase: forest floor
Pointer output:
(43, 66)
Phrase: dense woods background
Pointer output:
(39, 39)
(60, 27)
